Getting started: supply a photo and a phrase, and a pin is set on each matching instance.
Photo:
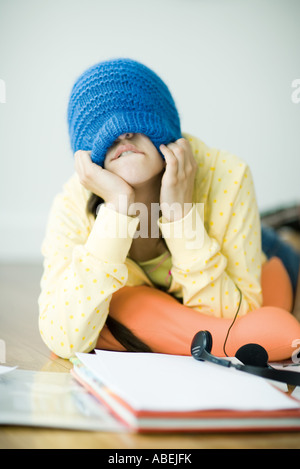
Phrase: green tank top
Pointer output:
(159, 270)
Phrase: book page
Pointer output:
(180, 383)
(53, 400)
(6, 369)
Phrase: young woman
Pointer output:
(148, 206)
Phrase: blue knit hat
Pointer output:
(119, 96)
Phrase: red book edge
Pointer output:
(205, 414)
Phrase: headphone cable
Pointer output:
(234, 319)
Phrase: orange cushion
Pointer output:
(276, 285)
(167, 326)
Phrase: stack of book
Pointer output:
(168, 393)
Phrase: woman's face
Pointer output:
(134, 158)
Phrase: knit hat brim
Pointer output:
(149, 124)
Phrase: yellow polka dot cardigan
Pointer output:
(84, 263)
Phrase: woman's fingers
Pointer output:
(84, 166)
(179, 157)
(171, 160)
(110, 187)
(178, 180)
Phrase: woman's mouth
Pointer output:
(125, 150)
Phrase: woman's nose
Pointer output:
(125, 136)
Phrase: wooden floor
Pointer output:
(19, 290)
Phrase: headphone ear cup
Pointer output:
(208, 341)
(253, 355)
(202, 342)
(201, 349)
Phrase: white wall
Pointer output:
(230, 65)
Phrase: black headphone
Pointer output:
(253, 356)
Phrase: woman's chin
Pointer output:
(135, 177)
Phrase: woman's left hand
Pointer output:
(177, 184)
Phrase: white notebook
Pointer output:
(171, 383)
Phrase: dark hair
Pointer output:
(126, 337)
(93, 204)
(120, 332)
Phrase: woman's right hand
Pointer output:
(110, 187)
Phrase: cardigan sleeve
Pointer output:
(83, 267)
(212, 273)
